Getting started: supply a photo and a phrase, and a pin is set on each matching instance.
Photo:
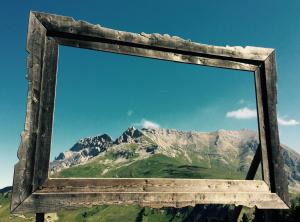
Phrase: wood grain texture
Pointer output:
(44, 131)
(66, 26)
(156, 54)
(151, 185)
(262, 116)
(157, 193)
(22, 182)
(51, 202)
(278, 177)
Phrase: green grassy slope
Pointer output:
(156, 166)
(5, 215)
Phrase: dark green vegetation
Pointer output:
(293, 214)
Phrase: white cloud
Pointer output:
(242, 113)
(129, 113)
(287, 122)
(246, 113)
(150, 124)
(147, 124)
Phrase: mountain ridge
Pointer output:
(233, 150)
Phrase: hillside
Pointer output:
(159, 153)
(168, 153)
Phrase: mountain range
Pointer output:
(169, 153)
(161, 153)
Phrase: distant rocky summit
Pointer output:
(81, 151)
(191, 151)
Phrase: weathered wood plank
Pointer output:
(278, 177)
(262, 119)
(51, 202)
(156, 54)
(46, 108)
(62, 25)
(151, 185)
(22, 183)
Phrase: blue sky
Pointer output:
(139, 89)
(105, 92)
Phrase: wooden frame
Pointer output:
(33, 191)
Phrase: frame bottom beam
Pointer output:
(51, 202)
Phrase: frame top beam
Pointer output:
(57, 25)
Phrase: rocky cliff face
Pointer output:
(292, 167)
(234, 149)
(81, 152)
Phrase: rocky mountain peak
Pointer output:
(128, 136)
(103, 140)
(81, 151)
(226, 148)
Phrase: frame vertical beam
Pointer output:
(279, 181)
(272, 155)
(44, 132)
(23, 175)
(260, 100)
